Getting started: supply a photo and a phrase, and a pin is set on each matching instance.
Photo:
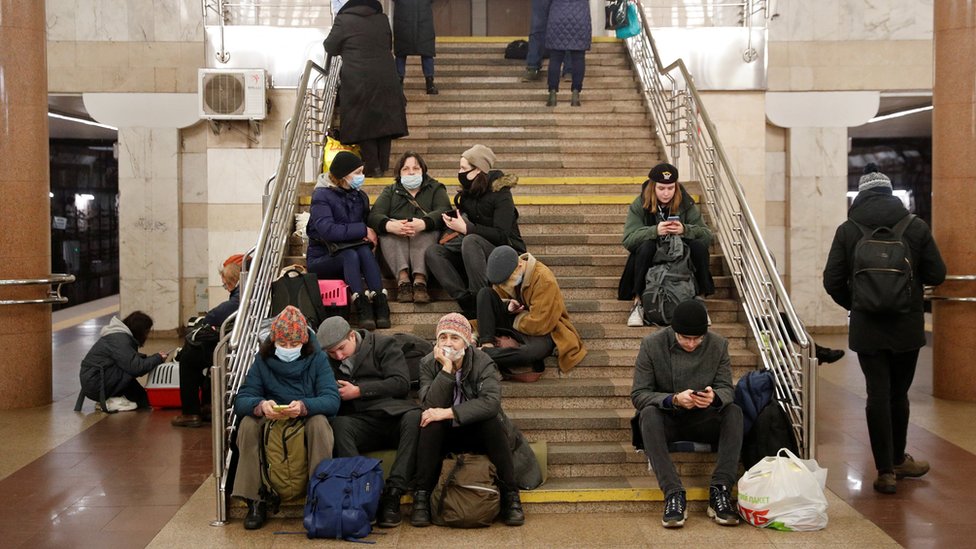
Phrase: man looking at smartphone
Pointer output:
(683, 391)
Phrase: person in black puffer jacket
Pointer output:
(486, 217)
(886, 344)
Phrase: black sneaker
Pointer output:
(826, 355)
(720, 506)
(675, 510)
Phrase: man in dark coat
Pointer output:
(413, 34)
(886, 344)
(376, 412)
(372, 108)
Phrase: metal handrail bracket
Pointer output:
(53, 294)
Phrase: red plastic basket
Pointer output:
(333, 292)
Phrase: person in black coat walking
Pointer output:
(372, 108)
(886, 344)
(413, 34)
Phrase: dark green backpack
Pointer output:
(284, 459)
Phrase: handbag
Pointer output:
(336, 247)
(633, 26)
(616, 11)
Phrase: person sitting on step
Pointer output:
(522, 317)
(485, 217)
(290, 377)
(114, 362)
(377, 412)
(663, 208)
(407, 218)
(340, 243)
(196, 357)
(461, 396)
(683, 391)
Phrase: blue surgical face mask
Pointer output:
(411, 182)
(357, 181)
(287, 355)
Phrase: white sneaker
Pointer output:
(636, 318)
(120, 404)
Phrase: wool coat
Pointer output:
(493, 215)
(664, 368)
(545, 311)
(308, 379)
(379, 369)
(394, 203)
(889, 332)
(115, 356)
(569, 26)
(371, 101)
(413, 28)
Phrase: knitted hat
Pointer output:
(663, 173)
(480, 157)
(873, 179)
(455, 323)
(690, 318)
(332, 331)
(289, 327)
(344, 164)
(501, 264)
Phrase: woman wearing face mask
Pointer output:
(486, 217)
(461, 396)
(663, 208)
(290, 377)
(340, 244)
(407, 218)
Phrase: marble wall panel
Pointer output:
(196, 263)
(193, 175)
(238, 176)
(775, 176)
(141, 18)
(60, 16)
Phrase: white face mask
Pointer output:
(451, 353)
(411, 182)
(287, 355)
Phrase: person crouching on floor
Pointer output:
(683, 391)
(288, 371)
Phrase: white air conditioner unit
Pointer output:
(232, 94)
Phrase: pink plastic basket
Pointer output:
(333, 292)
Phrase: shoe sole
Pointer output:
(900, 476)
(888, 490)
(724, 522)
(389, 524)
(419, 524)
(675, 523)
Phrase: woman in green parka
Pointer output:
(407, 219)
(651, 216)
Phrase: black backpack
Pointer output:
(302, 291)
(881, 279)
(771, 431)
(517, 49)
(414, 348)
(669, 281)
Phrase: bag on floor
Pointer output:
(343, 496)
(517, 49)
(669, 281)
(284, 459)
(300, 290)
(882, 267)
(466, 495)
(784, 492)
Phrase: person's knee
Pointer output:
(651, 418)
(732, 413)
(410, 423)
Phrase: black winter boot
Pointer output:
(364, 311)
(431, 88)
(388, 514)
(420, 516)
(257, 514)
(381, 309)
(511, 509)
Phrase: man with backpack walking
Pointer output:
(878, 262)
(683, 391)
(376, 412)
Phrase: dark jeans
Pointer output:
(193, 382)
(483, 437)
(659, 427)
(888, 376)
(426, 63)
(577, 60)
(135, 392)
(699, 259)
(360, 433)
(446, 266)
(376, 154)
(493, 316)
(537, 34)
(350, 265)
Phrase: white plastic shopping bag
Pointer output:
(784, 492)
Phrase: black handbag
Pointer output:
(616, 11)
(336, 247)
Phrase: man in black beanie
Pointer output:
(683, 391)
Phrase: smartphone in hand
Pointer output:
(673, 218)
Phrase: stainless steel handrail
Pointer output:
(683, 123)
(310, 120)
(53, 295)
(932, 297)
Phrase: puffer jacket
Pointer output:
(337, 215)
(413, 28)
(890, 332)
(116, 353)
(569, 26)
(493, 215)
(394, 203)
(308, 379)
